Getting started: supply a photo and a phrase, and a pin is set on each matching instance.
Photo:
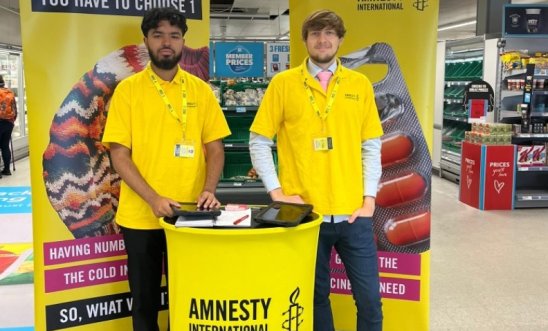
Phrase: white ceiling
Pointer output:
(268, 19)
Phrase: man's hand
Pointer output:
(278, 195)
(207, 200)
(161, 206)
(366, 210)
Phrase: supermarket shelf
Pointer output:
(455, 118)
(533, 168)
(539, 114)
(451, 153)
(236, 146)
(449, 170)
(510, 93)
(239, 109)
(457, 82)
(453, 100)
(527, 137)
(513, 73)
(247, 192)
(240, 147)
(541, 72)
(532, 135)
(531, 199)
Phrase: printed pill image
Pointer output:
(406, 162)
(396, 148)
(389, 106)
(408, 230)
(401, 190)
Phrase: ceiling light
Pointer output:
(456, 25)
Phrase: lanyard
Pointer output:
(168, 104)
(312, 100)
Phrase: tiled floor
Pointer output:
(16, 301)
(489, 269)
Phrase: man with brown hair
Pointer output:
(328, 141)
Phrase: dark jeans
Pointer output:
(146, 254)
(6, 128)
(357, 250)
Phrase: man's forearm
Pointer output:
(215, 158)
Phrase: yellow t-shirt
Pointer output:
(139, 119)
(330, 180)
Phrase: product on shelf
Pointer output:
(489, 134)
(243, 93)
(534, 155)
(216, 88)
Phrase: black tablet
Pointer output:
(190, 209)
(283, 214)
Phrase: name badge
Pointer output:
(184, 150)
(323, 144)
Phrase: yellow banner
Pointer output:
(393, 42)
(75, 53)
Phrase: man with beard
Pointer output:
(164, 130)
(328, 142)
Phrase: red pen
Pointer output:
(239, 220)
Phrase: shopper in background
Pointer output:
(164, 130)
(8, 115)
(328, 142)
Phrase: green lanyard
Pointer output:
(312, 100)
(168, 104)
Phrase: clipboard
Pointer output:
(283, 214)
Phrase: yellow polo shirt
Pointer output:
(330, 180)
(138, 119)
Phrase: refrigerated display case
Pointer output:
(11, 68)
(463, 64)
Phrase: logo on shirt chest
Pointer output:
(191, 104)
(352, 96)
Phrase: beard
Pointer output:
(322, 59)
(165, 63)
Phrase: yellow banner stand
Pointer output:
(242, 279)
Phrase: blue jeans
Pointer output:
(357, 250)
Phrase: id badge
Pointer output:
(184, 149)
(323, 144)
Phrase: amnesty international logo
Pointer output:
(294, 312)
(420, 4)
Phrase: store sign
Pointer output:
(487, 176)
(525, 20)
(470, 179)
(498, 187)
(478, 98)
(277, 58)
(192, 9)
(239, 59)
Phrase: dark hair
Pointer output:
(2, 81)
(323, 19)
(152, 19)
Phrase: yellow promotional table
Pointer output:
(242, 279)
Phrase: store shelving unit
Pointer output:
(463, 64)
(531, 182)
(236, 186)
